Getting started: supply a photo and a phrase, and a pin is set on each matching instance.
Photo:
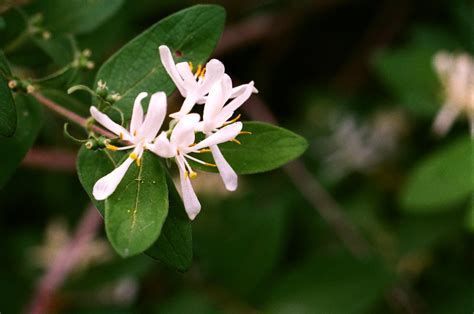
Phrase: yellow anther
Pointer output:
(121, 135)
(186, 174)
(245, 132)
(233, 120)
(198, 72)
(111, 147)
(133, 156)
(135, 133)
(204, 150)
(192, 174)
(138, 161)
(190, 65)
(203, 72)
(193, 144)
(210, 165)
(235, 141)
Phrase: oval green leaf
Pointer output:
(91, 166)
(136, 211)
(13, 149)
(174, 247)
(8, 116)
(135, 68)
(77, 16)
(441, 180)
(266, 148)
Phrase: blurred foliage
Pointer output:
(265, 249)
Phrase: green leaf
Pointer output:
(408, 71)
(245, 233)
(267, 148)
(174, 247)
(137, 66)
(441, 180)
(136, 211)
(330, 284)
(13, 149)
(77, 16)
(8, 118)
(91, 166)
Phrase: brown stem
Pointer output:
(313, 191)
(48, 103)
(50, 159)
(65, 262)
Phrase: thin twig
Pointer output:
(65, 262)
(73, 117)
(313, 191)
(50, 159)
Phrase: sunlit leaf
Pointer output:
(136, 211)
(266, 148)
(136, 67)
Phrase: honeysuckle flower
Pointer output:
(142, 131)
(456, 73)
(217, 114)
(181, 144)
(192, 86)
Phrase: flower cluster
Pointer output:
(456, 73)
(209, 85)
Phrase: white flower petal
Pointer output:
(154, 117)
(186, 107)
(183, 132)
(228, 175)
(109, 124)
(170, 67)
(239, 100)
(221, 136)
(236, 91)
(214, 103)
(214, 72)
(190, 200)
(445, 119)
(106, 185)
(162, 147)
(190, 82)
(137, 114)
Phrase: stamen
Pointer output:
(192, 174)
(198, 72)
(245, 132)
(138, 161)
(233, 120)
(203, 72)
(198, 161)
(204, 150)
(235, 141)
(190, 65)
(133, 156)
(193, 144)
(121, 136)
(111, 147)
(135, 133)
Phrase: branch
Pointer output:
(71, 116)
(313, 191)
(50, 159)
(65, 262)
